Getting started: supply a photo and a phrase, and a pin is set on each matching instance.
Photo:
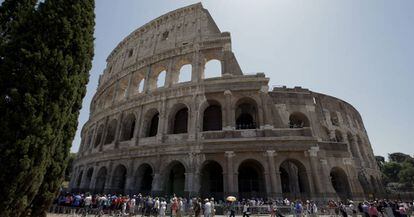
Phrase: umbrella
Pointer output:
(231, 198)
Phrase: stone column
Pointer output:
(229, 123)
(275, 189)
(147, 82)
(118, 130)
(128, 90)
(138, 125)
(157, 184)
(105, 131)
(170, 77)
(162, 121)
(115, 92)
(314, 165)
(325, 179)
(196, 73)
(93, 179)
(108, 180)
(230, 172)
(267, 116)
(129, 182)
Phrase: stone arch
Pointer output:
(79, 179)
(352, 146)
(340, 183)
(179, 119)
(88, 180)
(212, 116)
(143, 178)
(174, 182)
(294, 179)
(251, 179)
(155, 78)
(137, 82)
(246, 114)
(119, 179)
(110, 132)
(150, 123)
(211, 177)
(99, 135)
(100, 180)
(366, 187)
(298, 120)
(212, 68)
(128, 127)
(338, 136)
(185, 73)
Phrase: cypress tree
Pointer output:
(44, 69)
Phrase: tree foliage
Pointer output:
(45, 57)
(399, 169)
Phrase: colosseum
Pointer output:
(163, 121)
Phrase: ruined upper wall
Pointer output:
(185, 28)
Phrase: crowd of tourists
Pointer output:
(139, 205)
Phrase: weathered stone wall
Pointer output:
(222, 135)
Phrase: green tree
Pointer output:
(391, 170)
(406, 174)
(45, 58)
(69, 168)
(398, 157)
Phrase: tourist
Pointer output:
(207, 208)
(298, 208)
(246, 211)
(163, 207)
(372, 210)
(197, 207)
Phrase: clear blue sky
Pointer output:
(359, 51)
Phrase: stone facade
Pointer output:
(226, 135)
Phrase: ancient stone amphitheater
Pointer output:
(174, 113)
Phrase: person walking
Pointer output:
(246, 209)
(163, 208)
(207, 208)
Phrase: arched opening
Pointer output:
(352, 146)
(153, 125)
(100, 180)
(180, 121)
(340, 183)
(251, 179)
(175, 179)
(212, 69)
(366, 187)
(334, 118)
(298, 120)
(294, 179)
(212, 119)
(99, 136)
(79, 180)
(246, 114)
(118, 179)
(212, 180)
(161, 79)
(110, 133)
(88, 178)
(140, 86)
(338, 136)
(128, 127)
(185, 73)
(143, 179)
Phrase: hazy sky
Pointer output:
(359, 51)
